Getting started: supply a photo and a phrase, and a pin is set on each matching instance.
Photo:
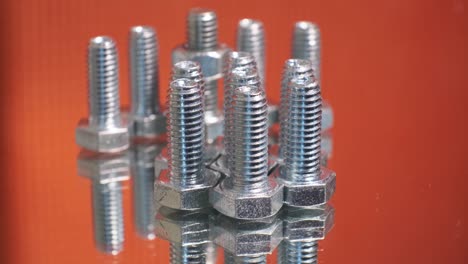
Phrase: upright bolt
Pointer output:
(306, 44)
(238, 77)
(248, 193)
(103, 131)
(146, 119)
(187, 254)
(251, 38)
(231, 259)
(188, 184)
(306, 183)
(293, 68)
(202, 46)
(290, 252)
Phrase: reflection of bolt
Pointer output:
(297, 252)
(103, 131)
(143, 175)
(146, 119)
(106, 172)
(231, 259)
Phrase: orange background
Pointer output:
(395, 73)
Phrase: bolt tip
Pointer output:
(183, 84)
(306, 26)
(249, 23)
(144, 31)
(186, 66)
(298, 65)
(101, 42)
(202, 13)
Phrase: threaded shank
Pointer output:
(144, 71)
(202, 29)
(298, 252)
(306, 44)
(251, 38)
(103, 75)
(238, 77)
(293, 68)
(187, 254)
(231, 259)
(186, 132)
(302, 134)
(238, 59)
(249, 161)
(108, 217)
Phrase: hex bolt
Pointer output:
(307, 46)
(104, 130)
(188, 183)
(298, 252)
(145, 118)
(248, 193)
(143, 176)
(106, 172)
(202, 46)
(231, 259)
(251, 38)
(293, 68)
(306, 184)
(238, 77)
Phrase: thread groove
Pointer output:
(194, 254)
(202, 29)
(251, 38)
(298, 252)
(306, 44)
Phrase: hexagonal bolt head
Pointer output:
(149, 126)
(184, 198)
(103, 167)
(184, 227)
(109, 140)
(211, 62)
(307, 224)
(310, 194)
(247, 237)
(240, 205)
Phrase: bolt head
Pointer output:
(111, 140)
(103, 167)
(148, 126)
(211, 62)
(183, 227)
(247, 205)
(184, 198)
(302, 225)
(247, 237)
(310, 194)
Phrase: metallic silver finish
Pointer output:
(106, 172)
(104, 130)
(202, 46)
(251, 38)
(243, 238)
(143, 176)
(145, 118)
(306, 184)
(188, 233)
(231, 259)
(307, 46)
(298, 252)
(248, 193)
(187, 186)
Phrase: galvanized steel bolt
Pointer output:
(298, 252)
(145, 118)
(251, 38)
(231, 259)
(248, 193)
(104, 130)
(202, 46)
(306, 184)
(188, 183)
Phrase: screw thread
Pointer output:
(298, 252)
(251, 38)
(231, 259)
(103, 75)
(238, 59)
(187, 254)
(189, 70)
(249, 127)
(202, 29)
(302, 132)
(293, 68)
(108, 217)
(237, 77)
(186, 132)
(211, 98)
(144, 71)
(306, 44)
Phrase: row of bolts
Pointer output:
(192, 96)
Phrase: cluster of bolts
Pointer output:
(225, 178)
